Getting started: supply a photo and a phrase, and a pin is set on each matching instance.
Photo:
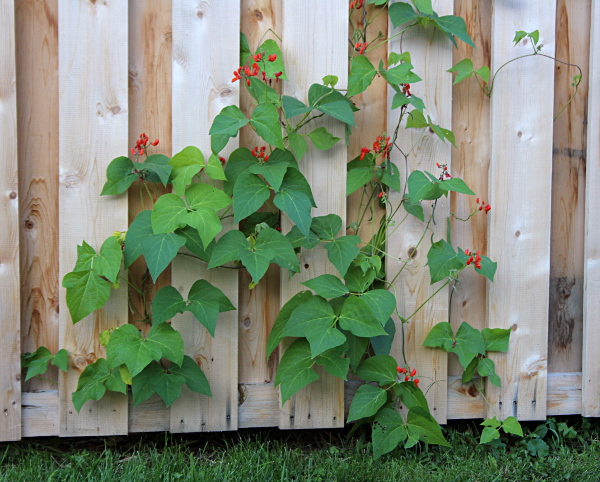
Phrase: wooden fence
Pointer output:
(81, 79)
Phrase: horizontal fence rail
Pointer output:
(80, 80)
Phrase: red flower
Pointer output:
(363, 152)
(155, 143)
(401, 370)
(257, 57)
(416, 380)
(406, 378)
(487, 208)
(222, 159)
(272, 58)
(413, 372)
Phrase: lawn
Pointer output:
(325, 455)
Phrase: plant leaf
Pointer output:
(358, 318)
(265, 119)
(166, 304)
(327, 286)
(366, 402)
(276, 335)
(378, 368)
(342, 251)
(388, 429)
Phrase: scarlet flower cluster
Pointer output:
(409, 374)
(361, 47)
(259, 153)
(444, 168)
(477, 258)
(223, 160)
(141, 144)
(483, 206)
(406, 90)
(246, 72)
(363, 152)
(382, 146)
(356, 4)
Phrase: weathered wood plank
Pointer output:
(470, 161)
(201, 88)
(37, 109)
(258, 308)
(314, 45)
(431, 53)
(519, 230)
(565, 325)
(10, 322)
(93, 130)
(591, 294)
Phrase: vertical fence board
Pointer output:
(432, 56)
(205, 53)
(519, 230)
(314, 45)
(10, 346)
(258, 308)
(470, 161)
(37, 108)
(591, 296)
(93, 130)
(565, 325)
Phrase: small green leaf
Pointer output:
(297, 206)
(167, 303)
(393, 57)
(115, 382)
(334, 362)
(327, 286)
(168, 213)
(391, 175)
(416, 119)
(378, 368)
(249, 194)
(322, 139)
(484, 73)
(358, 318)
(401, 13)
(469, 372)
(90, 385)
(61, 359)
(194, 377)
(512, 425)
(519, 35)
(293, 107)
(388, 428)
(488, 434)
(262, 93)
(491, 422)
(442, 261)
(87, 293)
(194, 243)
(144, 384)
(455, 184)
(342, 251)
(298, 144)
(487, 368)
(357, 178)
(366, 402)
(229, 121)
(214, 169)
(496, 339)
(265, 119)
(331, 80)
(276, 335)
(382, 344)
(402, 74)
(206, 302)
(298, 240)
(415, 209)
(326, 227)
(362, 73)
(464, 68)
(37, 363)
(228, 248)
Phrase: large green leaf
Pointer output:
(87, 292)
(168, 340)
(327, 286)
(297, 206)
(486, 368)
(205, 196)
(270, 47)
(159, 250)
(185, 165)
(144, 384)
(229, 121)
(167, 303)
(342, 251)
(295, 369)
(378, 368)
(357, 178)
(454, 26)
(108, 261)
(284, 254)
(442, 261)
(249, 194)
(391, 175)
(366, 402)
(334, 362)
(467, 344)
(273, 173)
(206, 302)
(421, 421)
(293, 107)
(194, 377)
(120, 176)
(356, 348)
(207, 222)
(205, 313)
(294, 180)
(127, 347)
(401, 13)
(388, 430)
(265, 119)
(496, 339)
(382, 302)
(228, 248)
(382, 344)
(322, 139)
(326, 227)
(90, 385)
(362, 73)
(358, 318)
(168, 214)
(287, 309)
(257, 261)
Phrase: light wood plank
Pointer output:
(519, 228)
(258, 308)
(150, 112)
(93, 130)
(470, 161)
(565, 324)
(431, 53)
(314, 45)
(201, 88)
(40, 413)
(37, 110)
(10, 344)
(591, 294)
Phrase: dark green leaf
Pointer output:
(261, 92)
(294, 180)
(166, 304)
(293, 107)
(245, 51)
(415, 209)
(295, 371)
(366, 402)
(256, 261)
(382, 302)
(378, 368)
(401, 13)
(298, 144)
(455, 184)
(298, 240)
(358, 318)
(239, 161)
(442, 261)
(421, 421)
(276, 335)
(248, 225)
(322, 139)
(362, 73)
(382, 344)
(469, 372)
(357, 178)
(249, 194)
(334, 362)
(194, 243)
(326, 227)
(37, 363)
(265, 119)
(388, 429)
(411, 395)
(228, 248)
(342, 251)
(273, 173)
(454, 26)
(468, 344)
(421, 187)
(229, 121)
(144, 384)
(284, 254)
(327, 286)
(357, 280)
(90, 385)
(108, 262)
(297, 206)
(194, 377)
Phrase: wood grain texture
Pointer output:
(432, 56)
(37, 109)
(565, 325)
(93, 113)
(520, 190)
(314, 45)
(149, 112)
(10, 344)
(370, 124)
(470, 161)
(201, 88)
(591, 294)
(258, 308)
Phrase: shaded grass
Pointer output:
(273, 455)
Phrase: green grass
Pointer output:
(273, 455)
